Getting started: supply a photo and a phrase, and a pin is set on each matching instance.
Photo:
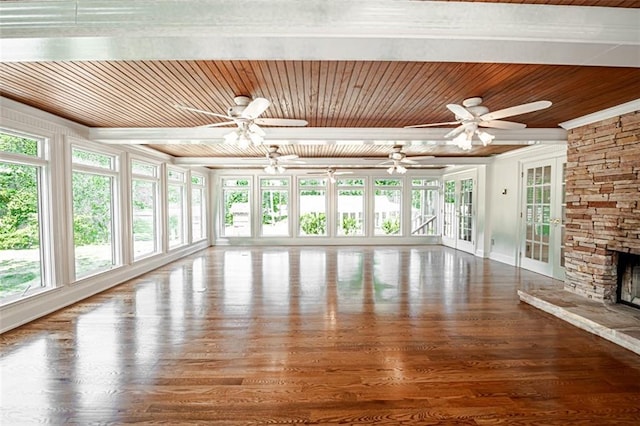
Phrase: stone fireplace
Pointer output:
(603, 208)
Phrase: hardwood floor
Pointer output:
(318, 335)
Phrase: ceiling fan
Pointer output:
(472, 114)
(245, 114)
(275, 159)
(397, 158)
(330, 173)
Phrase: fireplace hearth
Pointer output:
(628, 289)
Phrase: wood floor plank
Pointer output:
(316, 335)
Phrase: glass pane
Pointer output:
(350, 215)
(92, 223)
(197, 179)
(20, 261)
(424, 207)
(197, 214)
(235, 182)
(313, 214)
(175, 195)
(237, 213)
(387, 207)
(18, 145)
(143, 169)
(275, 212)
(388, 182)
(312, 182)
(94, 159)
(547, 174)
(274, 182)
(175, 176)
(350, 182)
(425, 182)
(530, 177)
(143, 199)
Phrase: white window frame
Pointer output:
(287, 189)
(42, 164)
(201, 187)
(113, 172)
(182, 184)
(155, 179)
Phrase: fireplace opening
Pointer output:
(628, 290)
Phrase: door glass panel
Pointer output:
(466, 210)
(449, 208)
(538, 213)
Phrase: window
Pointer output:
(275, 206)
(236, 193)
(312, 202)
(350, 215)
(198, 211)
(424, 206)
(94, 181)
(23, 264)
(449, 209)
(176, 211)
(144, 207)
(466, 210)
(387, 206)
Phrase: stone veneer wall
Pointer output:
(603, 203)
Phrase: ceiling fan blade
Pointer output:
(460, 111)
(515, 110)
(501, 124)
(201, 111)
(287, 157)
(255, 108)
(256, 129)
(342, 173)
(281, 122)
(446, 123)
(408, 160)
(421, 157)
(455, 131)
(226, 123)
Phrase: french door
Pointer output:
(543, 217)
(459, 212)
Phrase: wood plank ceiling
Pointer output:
(348, 94)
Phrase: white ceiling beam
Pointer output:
(317, 135)
(318, 30)
(316, 162)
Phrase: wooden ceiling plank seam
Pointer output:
(353, 94)
(282, 78)
(299, 100)
(265, 81)
(183, 91)
(131, 92)
(98, 83)
(217, 76)
(422, 99)
(337, 91)
(193, 90)
(356, 104)
(311, 90)
(344, 71)
(231, 75)
(142, 90)
(323, 88)
(168, 85)
(246, 77)
(209, 98)
(59, 87)
(371, 90)
(378, 99)
(405, 82)
(288, 89)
